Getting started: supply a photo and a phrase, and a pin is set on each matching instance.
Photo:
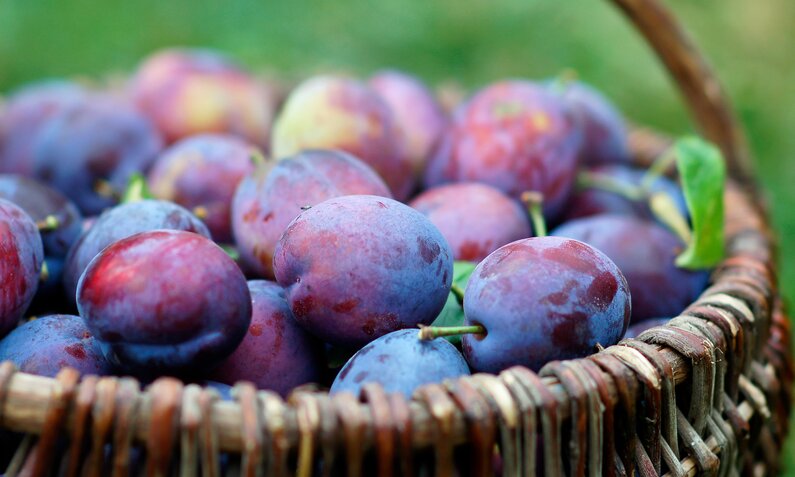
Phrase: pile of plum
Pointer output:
(201, 222)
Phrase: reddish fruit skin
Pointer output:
(48, 344)
(516, 136)
(165, 301)
(269, 199)
(419, 117)
(646, 254)
(188, 92)
(120, 222)
(328, 112)
(542, 299)
(204, 171)
(476, 219)
(360, 266)
(21, 256)
(276, 354)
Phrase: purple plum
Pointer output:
(276, 354)
(90, 148)
(46, 345)
(329, 112)
(360, 266)
(636, 329)
(516, 136)
(542, 299)
(165, 301)
(419, 117)
(202, 173)
(123, 221)
(21, 256)
(400, 362)
(269, 199)
(645, 252)
(41, 202)
(476, 219)
(604, 131)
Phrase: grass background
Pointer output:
(750, 43)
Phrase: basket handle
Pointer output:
(703, 94)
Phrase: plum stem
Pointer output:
(595, 180)
(657, 169)
(200, 212)
(458, 293)
(231, 251)
(432, 332)
(48, 223)
(533, 201)
(105, 189)
(257, 158)
(136, 189)
(44, 275)
(666, 211)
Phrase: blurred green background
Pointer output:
(751, 44)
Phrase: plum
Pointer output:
(516, 136)
(604, 131)
(636, 329)
(90, 148)
(192, 91)
(23, 118)
(202, 173)
(42, 202)
(360, 266)
(330, 112)
(419, 117)
(542, 299)
(120, 222)
(276, 354)
(645, 252)
(400, 362)
(269, 199)
(21, 256)
(591, 200)
(165, 301)
(476, 219)
(46, 345)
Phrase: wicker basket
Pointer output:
(707, 394)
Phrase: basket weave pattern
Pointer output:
(707, 394)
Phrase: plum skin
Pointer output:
(194, 91)
(542, 299)
(276, 354)
(358, 267)
(267, 200)
(21, 256)
(516, 136)
(604, 131)
(123, 221)
(204, 171)
(331, 112)
(98, 137)
(476, 219)
(165, 301)
(419, 117)
(400, 362)
(40, 201)
(46, 345)
(645, 252)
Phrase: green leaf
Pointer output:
(703, 172)
(137, 190)
(453, 312)
(231, 251)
